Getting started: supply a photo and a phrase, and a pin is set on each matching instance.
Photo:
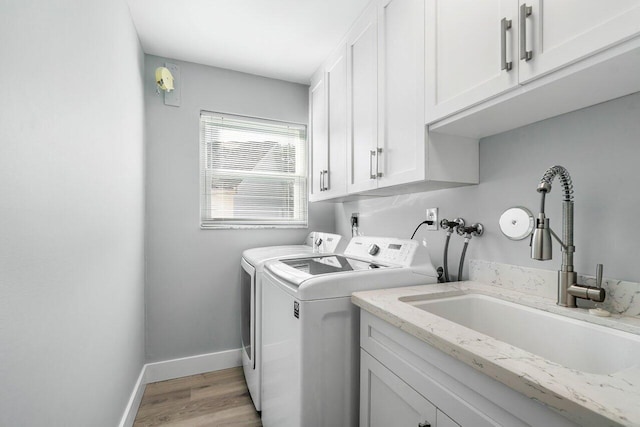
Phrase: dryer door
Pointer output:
(248, 312)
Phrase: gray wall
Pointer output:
(600, 148)
(72, 212)
(192, 293)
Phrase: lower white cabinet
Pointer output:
(406, 382)
(386, 400)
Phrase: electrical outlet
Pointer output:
(354, 224)
(432, 215)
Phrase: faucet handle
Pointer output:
(594, 293)
(599, 268)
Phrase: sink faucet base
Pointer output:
(565, 280)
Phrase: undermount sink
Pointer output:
(569, 342)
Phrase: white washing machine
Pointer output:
(310, 342)
(252, 263)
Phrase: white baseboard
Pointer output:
(176, 368)
(131, 410)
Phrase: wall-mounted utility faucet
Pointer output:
(449, 227)
(568, 289)
(476, 229)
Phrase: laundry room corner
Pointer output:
(193, 275)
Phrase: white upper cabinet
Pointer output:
(470, 53)
(560, 32)
(382, 67)
(318, 135)
(337, 91)
(328, 122)
(336, 72)
(401, 130)
(362, 103)
(495, 65)
(386, 94)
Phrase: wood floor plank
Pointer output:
(157, 403)
(233, 417)
(217, 398)
(193, 381)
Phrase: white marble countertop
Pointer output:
(586, 398)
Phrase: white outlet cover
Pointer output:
(432, 214)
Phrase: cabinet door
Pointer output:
(362, 98)
(336, 81)
(401, 91)
(442, 420)
(386, 400)
(560, 32)
(465, 53)
(318, 133)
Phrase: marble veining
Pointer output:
(622, 298)
(585, 398)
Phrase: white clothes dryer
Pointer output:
(252, 264)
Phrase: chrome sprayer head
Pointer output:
(541, 248)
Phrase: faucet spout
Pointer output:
(541, 240)
(568, 288)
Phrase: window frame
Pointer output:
(302, 194)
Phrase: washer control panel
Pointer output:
(383, 249)
(323, 242)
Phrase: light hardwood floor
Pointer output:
(218, 398)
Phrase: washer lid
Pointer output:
(260, 255)
(329, 264)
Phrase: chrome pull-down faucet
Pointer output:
(541, 249)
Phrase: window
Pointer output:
(253, 172)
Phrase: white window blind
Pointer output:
(253, 172)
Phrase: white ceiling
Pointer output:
(282, 39)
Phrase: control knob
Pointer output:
(374, 249)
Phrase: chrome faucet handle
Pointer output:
(593, 293)
(599, 268)
(476, 229)
(450, 225)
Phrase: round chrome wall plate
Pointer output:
(516, 223)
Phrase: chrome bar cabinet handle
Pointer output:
(525, 11)
(505, 25)
(372, 154)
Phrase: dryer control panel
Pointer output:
(386, 250)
